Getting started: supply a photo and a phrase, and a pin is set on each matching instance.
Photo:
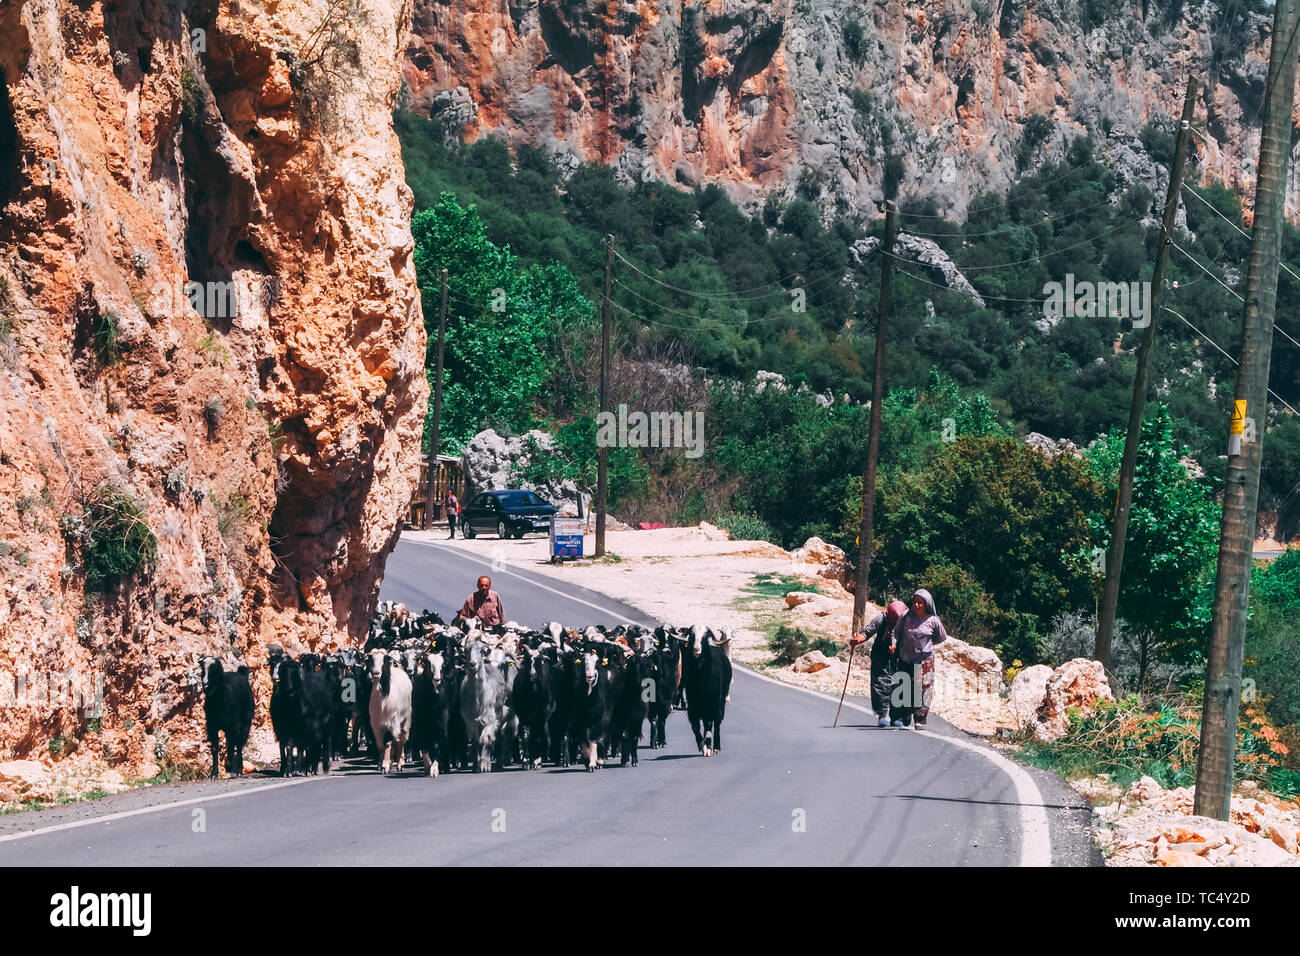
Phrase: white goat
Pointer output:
(390, 708)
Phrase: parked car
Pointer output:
(512, 513)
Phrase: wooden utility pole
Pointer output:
(1241, 486)
(867, 529)
(1137, 410)
(602, 453)
(430, 499)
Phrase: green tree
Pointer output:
(1172, 540)
(505, 325)
(1017, 522)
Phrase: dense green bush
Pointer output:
(108, 349)
(789, 644)
(115, 536)
(745, 527)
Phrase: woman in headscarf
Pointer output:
(916, 634)
(883, 659)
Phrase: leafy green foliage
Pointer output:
(116, 537)
(1171, 543)
(792, 456)
(1129, 739)
(1017, 521)
(108, 348)
(855, 41)
(744, 527)
(504, 322)
(1271, 654)
(1037, 128)
(791, 643)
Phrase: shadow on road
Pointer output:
(994, 803)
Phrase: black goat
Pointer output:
(429, 701)
(227, 709)
(534, 703)
(637, 687)
(706, 674)
(284, 706)
(667, 672)
(314, 719)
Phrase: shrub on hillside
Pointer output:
(116, 538)
(789, 644)
(1127, 740)
(745, 527)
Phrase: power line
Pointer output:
(1198, 265)
(994, 232)
(1225, 354)
(1039, 258)
(1277, 328)
(948, 288)
(727, 297)
(1285, 268)
(779, 290)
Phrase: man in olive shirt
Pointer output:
(484, 605)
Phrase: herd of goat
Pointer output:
(461, 697)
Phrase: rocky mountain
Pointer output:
(812, 96)
(211, 350)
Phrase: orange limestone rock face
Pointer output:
(766, 96)
(211, 348)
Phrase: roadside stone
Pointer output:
(828, 559)
(795, 598)
(1076, 684)
(1026, 694)
(811, 663)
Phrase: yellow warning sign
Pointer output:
(1238, 417)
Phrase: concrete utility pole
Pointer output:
(430, 499)
(867, 529)
(602, 453)
(1137, 410)
(1241, 486)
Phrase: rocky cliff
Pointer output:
(211, 351)
(766, 96)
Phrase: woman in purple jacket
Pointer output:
(916, 633)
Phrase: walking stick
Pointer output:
(852, 648)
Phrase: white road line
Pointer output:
(524, 577)
(1036, 834)
(107, 818)
(1036, 839)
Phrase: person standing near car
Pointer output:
(916, 633)
(483, 605)
(452, 508)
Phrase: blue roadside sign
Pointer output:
(566, 537)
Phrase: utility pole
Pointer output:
(1241, 485)
(602, 453)
(1137, 410)
(867, 529)
(435, 439)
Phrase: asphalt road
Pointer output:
(786, 790)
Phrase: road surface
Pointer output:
(786, 790)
